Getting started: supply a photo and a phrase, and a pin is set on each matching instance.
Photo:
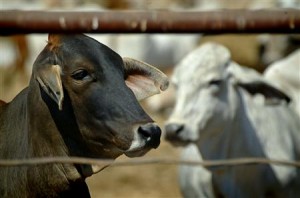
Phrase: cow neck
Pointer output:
(16, 117)
(55, 132)
(240, 133)
(244, 130)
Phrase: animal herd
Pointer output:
(83, 100)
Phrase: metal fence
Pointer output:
(134, 162)
(209, 22)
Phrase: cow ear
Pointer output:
(272, 94)
(50, 81)
(143, 79)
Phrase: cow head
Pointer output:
(102, 90)
(209, 87)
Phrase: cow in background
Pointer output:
(229, 112)
(194, 181)
(285, 75)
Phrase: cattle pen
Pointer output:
(281, 21)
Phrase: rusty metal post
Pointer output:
(210, 22)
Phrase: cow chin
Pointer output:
(177, 142)
(109, 151)
(138, 148)
(112, 150)
(137, 153)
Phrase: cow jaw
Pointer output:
(145, 138)
(97, 168)
(140, 139)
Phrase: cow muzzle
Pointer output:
(151, 133)
(173, 133)
(146, 137)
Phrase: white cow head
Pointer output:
(208, 87)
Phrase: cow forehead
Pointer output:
(205, 63)
(76, 48)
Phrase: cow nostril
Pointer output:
(174, 128)
(151, 133)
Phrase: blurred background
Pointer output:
(18, 52)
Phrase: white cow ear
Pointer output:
(270, 93)
(49, 79)
(143, 79)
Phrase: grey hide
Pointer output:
(285, 75)
(228, 112)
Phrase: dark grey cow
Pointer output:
(82, 100)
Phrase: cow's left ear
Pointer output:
(143, 79)
(272, 94)
(50, 81)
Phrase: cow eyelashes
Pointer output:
(80, 74)
(215, 82)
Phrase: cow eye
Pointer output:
(215, 82)
(80, 74)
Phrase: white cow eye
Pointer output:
(215, 82)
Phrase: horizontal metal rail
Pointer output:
(147, 161)
(158, 21)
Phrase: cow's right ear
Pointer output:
(143, 79)
(50, 81)
(272, 94)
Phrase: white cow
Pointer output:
(195, 181)
(229, 111)
(285, 75)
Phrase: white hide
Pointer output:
(285, 75)
(225, 121)
(195, 181)
(191, 74)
